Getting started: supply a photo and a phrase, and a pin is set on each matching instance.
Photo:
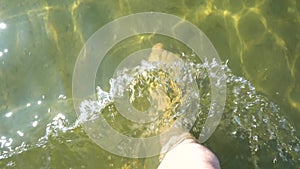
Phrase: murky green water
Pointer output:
(39, 44)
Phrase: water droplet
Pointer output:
(34, 124)
(20, 133)
(255, 138)
(274, 160)
(39, 102)
(9, 114)
(62, 97)
(3, 25)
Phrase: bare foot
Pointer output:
(180, 149)
(158, 54)
(189, 154)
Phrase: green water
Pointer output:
(39, 44)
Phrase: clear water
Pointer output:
(40, 41)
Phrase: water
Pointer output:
(41, 40)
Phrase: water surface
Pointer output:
(39, 44)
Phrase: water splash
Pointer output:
(168, 88)
(249, 118)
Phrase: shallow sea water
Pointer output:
(39, 44)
